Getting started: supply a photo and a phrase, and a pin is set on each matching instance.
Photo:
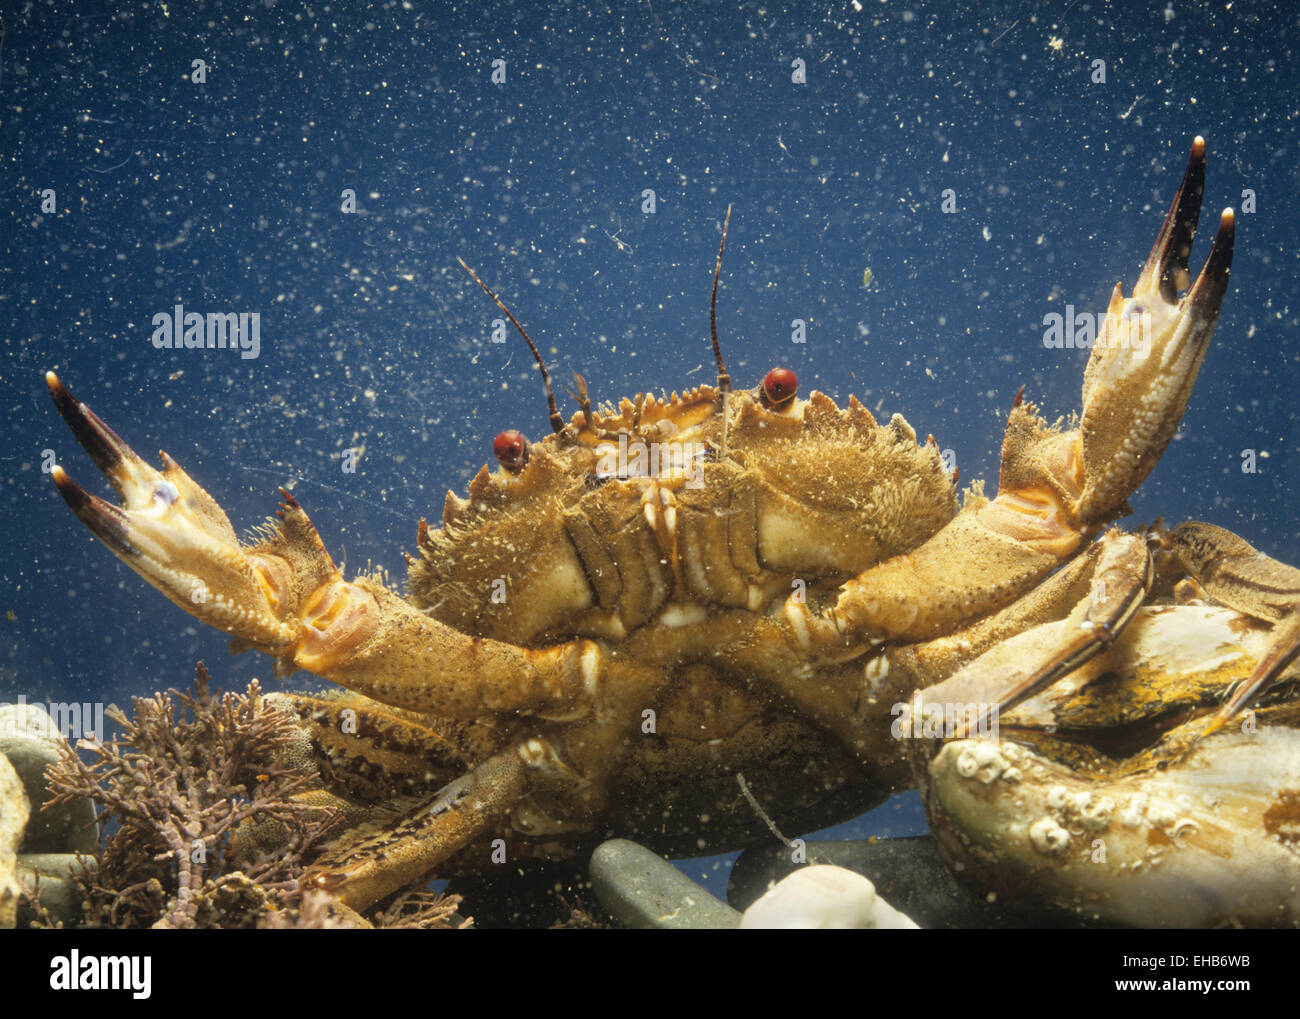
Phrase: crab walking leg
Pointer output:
(1119, 587)
(1057, 488)
(363, 870)
(285, 597)
(1234, 573)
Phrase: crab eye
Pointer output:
(511, 450)
(779, 386)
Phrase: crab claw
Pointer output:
(172, 533)
(285, 596)
(1148, 353)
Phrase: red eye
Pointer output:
(779, 386)
(511, 450)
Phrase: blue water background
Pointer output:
(225, 196)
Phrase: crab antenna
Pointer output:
(557, 422)
(724, 380)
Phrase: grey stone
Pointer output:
(30, 740)
(642, 890)
(52, 874)
(25, 721)
(14, 810)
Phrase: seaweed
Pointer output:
(187, 771)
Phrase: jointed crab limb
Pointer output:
(932, 661)
(1234, 573)
(1056, 488)
(284, 596)
(372, 865)
(1173, 706)
(172, 533)
(364, 637)
(1119, 585)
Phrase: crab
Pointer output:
(661, 595)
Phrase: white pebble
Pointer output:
(823, 898)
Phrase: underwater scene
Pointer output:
(1000, 631)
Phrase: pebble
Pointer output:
(29, 738)
(14, 810)
(50, 839)
(642, 890)
(52, 874)
(907, 871)
(823, 897)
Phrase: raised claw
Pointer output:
(285, 596)
(1057, 488)
(1148, 353)
(172, 533)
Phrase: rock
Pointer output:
(14, 810)
(823, 897)
(30, 739)
(52, 874)
(642, 890)
(906, 871)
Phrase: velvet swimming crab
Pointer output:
(660, 595)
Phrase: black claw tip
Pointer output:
(103, 445)
(1206, 297)
(1173, 248)
(104, 520)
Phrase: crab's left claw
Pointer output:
(172, 533)
(1148, 353)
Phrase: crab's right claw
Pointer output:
(172, 533)
(1148, 353)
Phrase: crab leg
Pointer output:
(363, 870)
(1101, 794)
(1057, 488)
(285, 597)
(1237, 575)
(1119, 587)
